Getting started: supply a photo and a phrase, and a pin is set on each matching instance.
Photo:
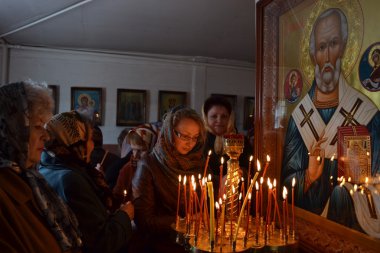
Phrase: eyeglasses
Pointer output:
(185, 137)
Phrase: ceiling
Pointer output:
(219, 29)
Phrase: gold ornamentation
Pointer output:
(354, 14)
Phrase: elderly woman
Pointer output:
(178, 151)
(33, 219)
(65, 165)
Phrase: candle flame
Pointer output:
(233, 189)
(125, 192)
(293, 182)
(251, 158)
(343, 182)
(209, 177)
(249, 196)
(194, 186)
(362, 191)
(203, 181)
(268, 158)
(224, 197)
(216, 205)
(351, 192)
(184, 180)
(332, 158)
(179, 178)
(240, 196)
(349, 179)
(367, 153)
(209, 152)
(199, 176)
(258, 165)
(284, 193)
(318, 158)
(261, 180)
(274, 183)
(222, 160)
(355, 187)
(220, 201)
(257, 186)
(268, 181)
(192, 178)
(242, 179)
(366, 180)
(270, 186)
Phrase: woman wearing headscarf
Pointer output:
(178, 151)
(66, 166)
(219, 119)
(33, 219)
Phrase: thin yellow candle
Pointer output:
(249, 167)
(242, 209)
(206, 164)
(212, 208)
(293, 221)
(221, 175)
(266, 166)
(178, 194)
(247, 225)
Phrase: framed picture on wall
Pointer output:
(131, 107)
(169, 99)
(88, 101)
(55, 95)
(249, 110)
(231, 98)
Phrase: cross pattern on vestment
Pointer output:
(348, 118)
(307, 121)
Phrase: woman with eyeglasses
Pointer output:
(178, 151)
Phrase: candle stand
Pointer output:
(235, 231)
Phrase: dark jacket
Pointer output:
(155, 199)
(102, 232)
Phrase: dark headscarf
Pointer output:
(14, 141)
(172, 161)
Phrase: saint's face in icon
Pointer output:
(329, 47)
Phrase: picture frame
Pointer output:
(280, 52)
(55, 94)
(89, 102)
(168, 100)
(131, 107)
(249, 110)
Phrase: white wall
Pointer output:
(112, 71)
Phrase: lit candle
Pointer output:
(201, 205)
(217, 219)
(206, 165)
(257, 206)
(212, 208)
(184, 194)
(284, 194)
(293, 221)
(266, 166)
(179, 195)
(221, 175)
(124, 195)
(269, 206)
(261, 195)
(231, 210)
(242, 189)
(239, 201)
